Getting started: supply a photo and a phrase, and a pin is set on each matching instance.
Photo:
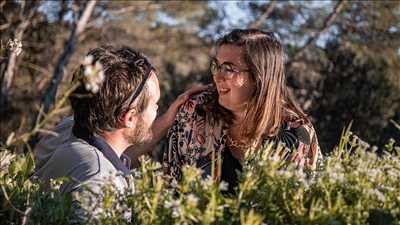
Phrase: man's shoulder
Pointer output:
(77, 159)
(46, 147)
(75, 149)
(80, 153)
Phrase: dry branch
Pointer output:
(69, 48)
(258, 22)
(327, 23)
(50, 95)
(8, 76)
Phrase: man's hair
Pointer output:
(124, 71)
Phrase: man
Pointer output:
(105, 123)
(116, 116)
(120, 114)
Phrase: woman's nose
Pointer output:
(218, 76)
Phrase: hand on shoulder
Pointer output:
(182, 98)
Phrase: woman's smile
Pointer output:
(223, 90)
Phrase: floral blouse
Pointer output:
(192, 140)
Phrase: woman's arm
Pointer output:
(163, 123)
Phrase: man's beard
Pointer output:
(140, 134)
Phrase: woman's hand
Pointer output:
(181, 99)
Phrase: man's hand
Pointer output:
(180, 100)
(163, 123)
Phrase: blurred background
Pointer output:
(342, 56)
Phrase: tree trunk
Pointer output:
(9, 70)
(50, 95)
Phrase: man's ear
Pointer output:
(129, 118)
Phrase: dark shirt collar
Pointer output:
(122, 164)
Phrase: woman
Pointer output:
(248, 105)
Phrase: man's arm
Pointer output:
(162, 124)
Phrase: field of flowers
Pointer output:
(353, 185)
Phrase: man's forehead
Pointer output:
(154, 87)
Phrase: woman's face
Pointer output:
(232, 78)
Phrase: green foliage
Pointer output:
(353, 185)
(178, 36)
(363, 82)
(23, 200)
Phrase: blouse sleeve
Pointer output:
(308, 150)
(185, 139)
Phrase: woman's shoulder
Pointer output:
(196, 101)
(302, 131)
(302, 128)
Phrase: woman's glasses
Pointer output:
(227, 69)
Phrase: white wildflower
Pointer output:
(285, 173)
(208, 182)
(169, 204)
(392, 173)
(378, 194)
(93, 74)
(98, 66)
(88, 71)
(374, 173)
(176, 211)
(55, 184)
(5, 160)
(88, 60)
(386, 188)
(223, 186)
(337, 177)
(174, 183)
(136, 173)
(192, 200)
(15, 46)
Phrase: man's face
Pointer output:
(141, 132)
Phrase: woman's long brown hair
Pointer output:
(271, 100)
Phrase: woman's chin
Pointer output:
(222, 103)
(231, 106)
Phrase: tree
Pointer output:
(25, 11)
